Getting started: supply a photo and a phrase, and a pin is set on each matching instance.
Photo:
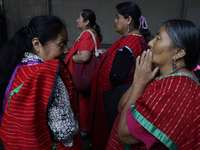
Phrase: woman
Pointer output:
(36, 112)
(127, 24)
(81, 52)
(163, 113)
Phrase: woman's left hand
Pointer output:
(143, 73)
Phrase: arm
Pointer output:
(82, 56)
(85, 46)
(142, 77)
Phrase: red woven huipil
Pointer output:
(169, 110)
(83, 42)
(99, 129)
(24, 124)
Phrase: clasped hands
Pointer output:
(143, 72)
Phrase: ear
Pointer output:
(129, 20)
(87, 22)
(36, 45)
(180, 53)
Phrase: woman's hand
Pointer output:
(143, 73)
(142, 77)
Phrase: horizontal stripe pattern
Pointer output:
(24, 123)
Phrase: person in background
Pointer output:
(37, 88)
(128, 23)
(161, 108)
(81, 52)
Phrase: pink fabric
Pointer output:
(142, 134)
(197, 68)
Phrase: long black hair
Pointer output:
(88, 14)
(127, 9)
(44, 27)
(184, 34)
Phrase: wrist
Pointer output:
(139, 85)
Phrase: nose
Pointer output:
(115, 20)
(150, 44)
(66, 51)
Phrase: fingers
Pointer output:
(145, 60)
(149, 58)
(143, 56)
(137, 61)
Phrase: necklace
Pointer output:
(92, 30)
(137, 34)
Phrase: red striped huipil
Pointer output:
(24, 124)
(99, 129)
(169, 110)
(83, 42)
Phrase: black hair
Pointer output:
(184, 34)
(88, 14)
(127, 9)
(44, 27)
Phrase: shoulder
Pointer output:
(132, 40)
(85, 34)
(177, 83)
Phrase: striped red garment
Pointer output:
(83, 42)
(24, 124)
(99, 129)
(171, 104)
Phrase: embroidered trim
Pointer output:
(10, 84)
(153, 130)
(15, 91)
(180, 74)
(137, 34)
(88, 31)
(127, 147)
(133, 58)
(54, 145)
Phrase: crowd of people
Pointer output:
(158, 109)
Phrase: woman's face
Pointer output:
(161, 50)
(56, 48)
(81, 24)
(121, 25)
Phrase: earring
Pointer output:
(174, 67)
(128, 28)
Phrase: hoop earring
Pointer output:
(174, 67)
(128, 28)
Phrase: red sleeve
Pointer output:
(86, 42)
